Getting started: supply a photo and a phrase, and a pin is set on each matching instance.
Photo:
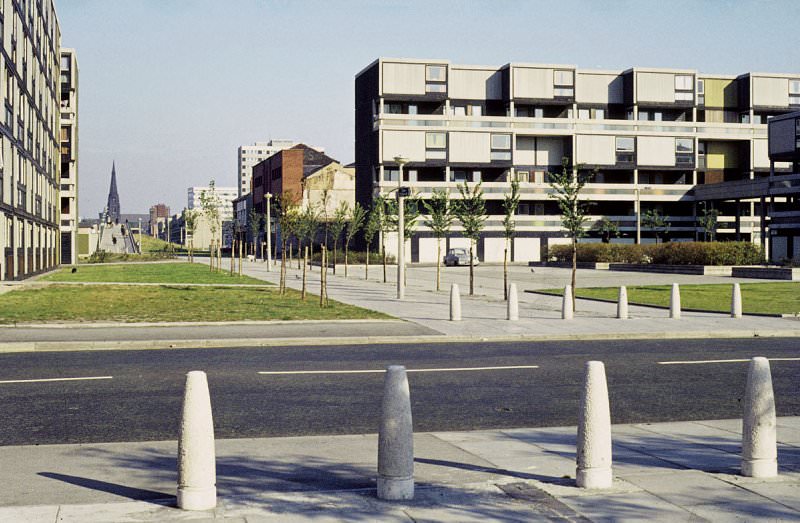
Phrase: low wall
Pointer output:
(603, 266)
(767, 273)
(700, 270)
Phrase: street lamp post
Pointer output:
(269, 233)
(401, 242)
(638, 211)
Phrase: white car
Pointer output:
(458, 256)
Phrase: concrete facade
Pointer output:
(250, 155)
(29, 162)
(225, 196)
(654, 136)
(68, 183)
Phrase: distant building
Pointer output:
(225, 197)
(249, 155)
(159, 214)
(68, 181)
(112, 210)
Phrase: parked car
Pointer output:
(458, 256)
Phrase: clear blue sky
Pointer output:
(170, 88)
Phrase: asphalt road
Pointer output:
(142, 398)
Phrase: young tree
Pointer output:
(411, 214)
(607, 229)
(286, 213)
(440, 219)
(371, 228)
(210, 203)
(307, 227)
(471, 212)
(708, 220)
(387, 213)
(567, 186)
(254, 220)
(190, 223)
(337, 226)
(655, 221)
(357, 217)
(510, 205)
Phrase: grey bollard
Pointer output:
(512, 307)
(675, 302)
(759, 437)
(736, 301)
(622, 303)
(396, 438)
(455, 303)
(566, 304)
(197, 476)
(594, 430)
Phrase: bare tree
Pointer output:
(356, 222)
(471, 212)
(371, 228)
(510, 205)
(254, 219)
(190, 224)
(337, 226)
(439, 221)
(387, 213)
(210, 203)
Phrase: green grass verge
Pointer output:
(757, 298)
(150, 273)
(174, 303)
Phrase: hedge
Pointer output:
(671, 253)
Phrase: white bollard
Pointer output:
(759, 437)
(736, 301)
(197, 476)
(455, 303)
(512, 309)
(566, 304)
(594, 431)
(622, 303)
(675, 302)
(396, 438)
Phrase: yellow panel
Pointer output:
(721, 93)
(721, 155)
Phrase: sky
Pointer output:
(170, 88)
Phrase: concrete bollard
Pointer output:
(455, 303)
(622, 303)
(396, 438)
(594, 430)
(759, 437)
(197, 476)
(566, 304)
(736, 301)
(512, 307)
(675, 302)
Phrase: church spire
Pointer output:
(113, 197)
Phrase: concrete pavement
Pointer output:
(679, 471)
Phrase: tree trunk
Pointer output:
(346, 245)
(240, 258)
(471, 268)
(505, 272)
(383, 248)
(311, 257)
(282, 286)
(305, 264)
(322, 278)
(574, 268)
(211, 256)
(334, 257)
(233, 266)
(438, 262)
(366, 265)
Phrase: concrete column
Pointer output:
(512, 312)
(759, 438)
(396, 438)
(455, 303)
(622, 303)
(566, 304)
(594, 430)
(675, 302)
(736, 301)
(197, 477)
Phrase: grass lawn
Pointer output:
(765, 298)
(149, 273)
(127, 303)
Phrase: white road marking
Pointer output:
(381, 371)
(720, 361)
(46, 380)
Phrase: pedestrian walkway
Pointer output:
(678, 471)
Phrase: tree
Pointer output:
(708, 220)
(371, 227)
(510, 205)
(339, 222)
(654, 220)
(357, 217)
(387, 214)
(607, 229)
(567, 186)
(411, 214)
(307, 227)
(210, 203)
(440, 219)
(254, 220)
(190, 224)
(286, 213)
(471, 212)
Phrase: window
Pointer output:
(390, 175)
(538, 112)
(683, 96)
(392, 108)
(435, 88)
(458, 176)
(474, 110)
(794, 86)
(683, 82)
(435, 73)
(563, 78)
(583, 114)
(412, 109)
(435, 140)
(459, 110)
(564, 91)
(701, 87)
(599, 114)
(625, 148)
(501, 141)
(658, 116)
(644, 115)
(684, 145)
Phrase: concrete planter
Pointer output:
(700, 270)
(769, 273)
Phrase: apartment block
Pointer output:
(159, 214)
(653, 136)
(30, 57)
(225, 197)
(68, 179)
(250, 155)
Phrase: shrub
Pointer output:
(354, 257)
(671, 253)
